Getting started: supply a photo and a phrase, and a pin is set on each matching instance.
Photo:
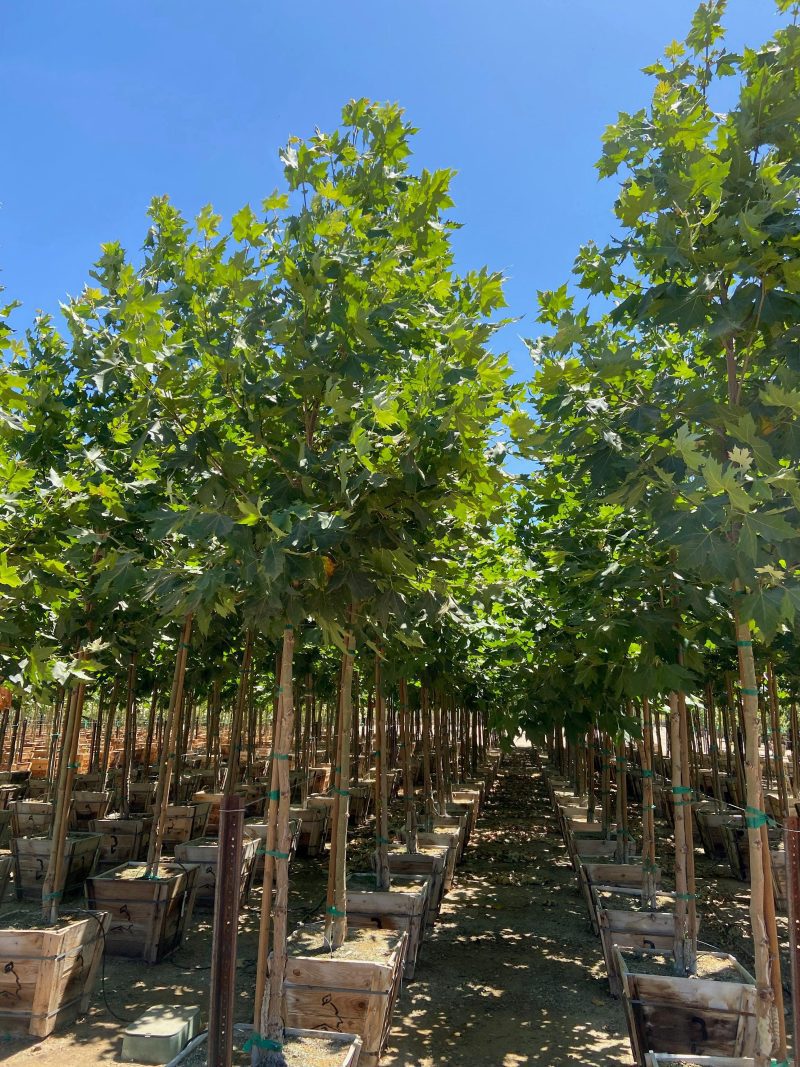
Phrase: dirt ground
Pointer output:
(511, 975)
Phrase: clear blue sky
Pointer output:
(106, 104)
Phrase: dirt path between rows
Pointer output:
(511, 975)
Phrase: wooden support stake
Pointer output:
(792, 845)
(222, 1006)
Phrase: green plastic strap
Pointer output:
(755, 818)
(257, 1041)
(383, 840)
(744, 644)
(685, 896)
(750, 692)
(52, 896)
(342, 792)
(182, 644)
(783, 1063)
(681, 789)
(274, 794)
(376, 753)
(337, 770)
(647, 774)
(280, 755)
(274, 853)
(335, 911)
(73, 766)
(622, 759)
(648, 866)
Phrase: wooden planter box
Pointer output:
(626, 878)
(431, 861)
(141, 796)
(87, 806)
(402, 907)
(647, 931)
(453, 824)
(147, 915)
(32, 855)
(49, 973)
(324, 802)
(31, 817)
(737, 847)
(689, 1015)
(6, 864)
(360, 800)
(350, 1045)
(351, 996)
(313, 829)
(204, 852)
(258, 831)
(450, 842)
(779, 880)
(122, 840)
(709, 825)
(5, 828)
(8, 793)
(656, 1060)
(185, 822)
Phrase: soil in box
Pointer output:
(352, 991)
(403, 906)
(712, 1014)
(32, 855)
(148, 915)
(302, 1048)
(48, 972)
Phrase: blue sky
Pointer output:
(105, 105)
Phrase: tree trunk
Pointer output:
(383, 880)
(168, 753)
(336, 915)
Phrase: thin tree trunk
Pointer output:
(381, 784)
(408, 783)
(168, 753)
(336, 915)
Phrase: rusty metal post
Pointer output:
(792, 846)
(226, 927)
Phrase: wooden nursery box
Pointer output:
(32, 855)
(450, 841)
(404, 906)
(347, 1045)
(185, 822)
(353, 991)
(204, 852)
(258, 831)
(663, 1060)
(86, 806)
(147, 915)
(645, 931)
(6, 866)
(49, 972)
(141, 796)
(122, 840)
(313, 830)
(709, 825)
(31, 817)
(700, 1016)
(429, 860)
